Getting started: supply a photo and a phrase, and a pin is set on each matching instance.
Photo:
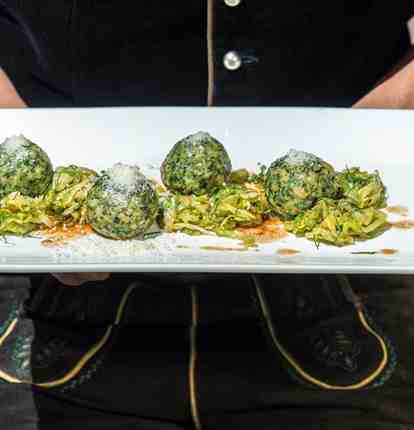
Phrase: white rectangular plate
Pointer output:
(97, 138)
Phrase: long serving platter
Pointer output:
(97, 138)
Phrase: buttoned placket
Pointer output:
(228, 46)
(210, 52)
(232, 60)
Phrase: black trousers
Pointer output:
(167, 354)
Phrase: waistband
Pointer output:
(153, 299)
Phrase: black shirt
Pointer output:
(106, 52)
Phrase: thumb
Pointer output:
(382, 97)
(394, 92)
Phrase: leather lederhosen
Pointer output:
(127, 348)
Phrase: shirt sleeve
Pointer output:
(25, 62)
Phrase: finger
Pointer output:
(69, 279)
(77, 279)
(97, 276)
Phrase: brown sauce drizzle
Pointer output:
(398, 210)
(406, 224)
(271, 230)
(60, 234)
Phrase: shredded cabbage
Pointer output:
(63, 203)
(338, 222)
(19, 215)
(67, 194)
(221, 213)
(362, 189)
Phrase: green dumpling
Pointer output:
(296, 181)
(122, 204)
(24, 167)
(196, 165)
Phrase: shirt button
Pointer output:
(232, 60)
(232, 3)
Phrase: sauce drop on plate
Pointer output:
(221, 248)
(389, 251)
(385, 251)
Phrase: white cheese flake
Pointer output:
(125, 176)
(99, 247)
(295, 157)
(16, 146)
(199, 137)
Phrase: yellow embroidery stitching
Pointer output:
(84, 359)
(269, 323)
(193, 359)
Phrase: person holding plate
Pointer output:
(147, 351)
